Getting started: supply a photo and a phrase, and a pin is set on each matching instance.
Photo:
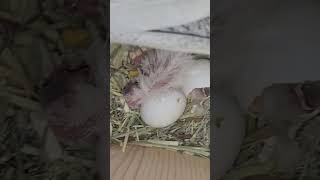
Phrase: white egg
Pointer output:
(195, 76)
(163, 107)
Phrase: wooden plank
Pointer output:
(142, 163)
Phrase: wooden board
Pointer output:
(141, 163)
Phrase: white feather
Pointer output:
(161, 68)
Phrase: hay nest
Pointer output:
(190, 134)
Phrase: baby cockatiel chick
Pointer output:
(166, 78)
(166, 69)
(73, 105)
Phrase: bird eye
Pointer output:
(128, 88)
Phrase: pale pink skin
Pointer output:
(133, 95)
(199, 94)
(158, 70)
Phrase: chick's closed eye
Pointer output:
(129, 87)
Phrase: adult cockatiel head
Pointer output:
(166, 78)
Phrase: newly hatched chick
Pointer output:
(158, 70)
(165, 80)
